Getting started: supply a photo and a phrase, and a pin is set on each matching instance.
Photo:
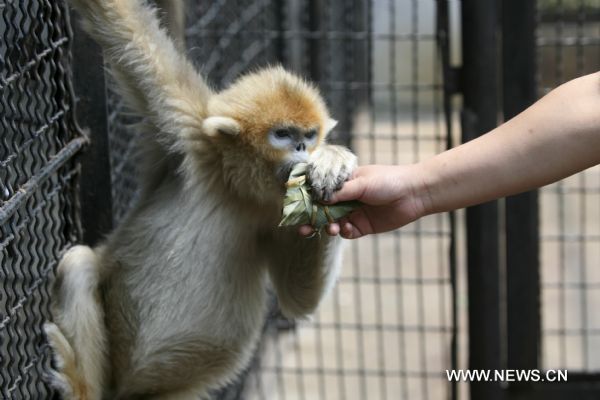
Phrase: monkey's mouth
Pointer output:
(283, 171)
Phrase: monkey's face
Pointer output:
(295, 145)
(291, 145)
(278, 118)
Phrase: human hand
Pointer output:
(393, 196)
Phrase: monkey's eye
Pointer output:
(311, 134)
(282, 133)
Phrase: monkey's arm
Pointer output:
(156, 81)
(303, 270)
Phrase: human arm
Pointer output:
(556, 137)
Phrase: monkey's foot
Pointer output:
(64, 377)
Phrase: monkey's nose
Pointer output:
(301, 147)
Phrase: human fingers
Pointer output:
(356, 225)
(306, 230)
(333, 229)
(349, 231)
(352, 190)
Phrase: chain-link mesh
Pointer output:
(122, 138)
(38, 218)
(568, 46)
(385, 331)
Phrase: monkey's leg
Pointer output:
(77, 335)
(65, 376)
(303, 269)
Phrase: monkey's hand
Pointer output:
(155, 79)
(328, 168)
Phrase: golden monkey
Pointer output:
(171, 304)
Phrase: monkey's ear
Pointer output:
(329, 125)
(213, 126)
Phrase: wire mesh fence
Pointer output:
(386, 330)
(38, 213)
(568, 46)
(122, 139)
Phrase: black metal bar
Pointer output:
(580, 386)
(315, 11)
(356, 58)
(449, 88)
(172, 14)
(278, 43)
(522, 220)
(90, 89)
(340, 54)
(480, 91)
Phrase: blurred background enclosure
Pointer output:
(511, 284)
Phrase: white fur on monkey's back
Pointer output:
(171, 304)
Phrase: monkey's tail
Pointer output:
(78, 334)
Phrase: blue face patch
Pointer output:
(292, 139)
(281, 139)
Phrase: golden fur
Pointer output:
(171, 304)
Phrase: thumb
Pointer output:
(352, 190)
